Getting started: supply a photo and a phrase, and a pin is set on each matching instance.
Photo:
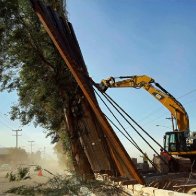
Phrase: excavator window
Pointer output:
(166, 142)
(170, 142)
(175, 141)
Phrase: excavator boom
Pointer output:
(157, 91)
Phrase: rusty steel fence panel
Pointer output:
(101, 158)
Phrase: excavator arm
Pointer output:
(156, 90)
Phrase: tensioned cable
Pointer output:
(110, 101)
(136, 146)
(129, 138)
(133, 141)
(104, 94)
(116, 105)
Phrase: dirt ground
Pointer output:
(5, 185)
(55, 184)
(36, 180)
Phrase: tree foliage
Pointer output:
(31, 66)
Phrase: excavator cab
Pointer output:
(175, 142)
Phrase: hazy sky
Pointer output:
(130, 37)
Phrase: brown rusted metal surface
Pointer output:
(90, 133)
(60, 33)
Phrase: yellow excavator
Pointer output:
(180, 141)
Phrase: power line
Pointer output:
(151, 113)
(5, 121)
(158, 109)
(163, 113)
(188, 93)
(190, 101)
(5, 125)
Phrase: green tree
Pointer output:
(31, 66)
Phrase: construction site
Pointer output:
(97, 137)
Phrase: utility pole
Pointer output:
(17, 136)
(172, 120)
(44, 153)
(31, 143)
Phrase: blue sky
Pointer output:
(132, 37)
(137, 37)
(29, 132)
